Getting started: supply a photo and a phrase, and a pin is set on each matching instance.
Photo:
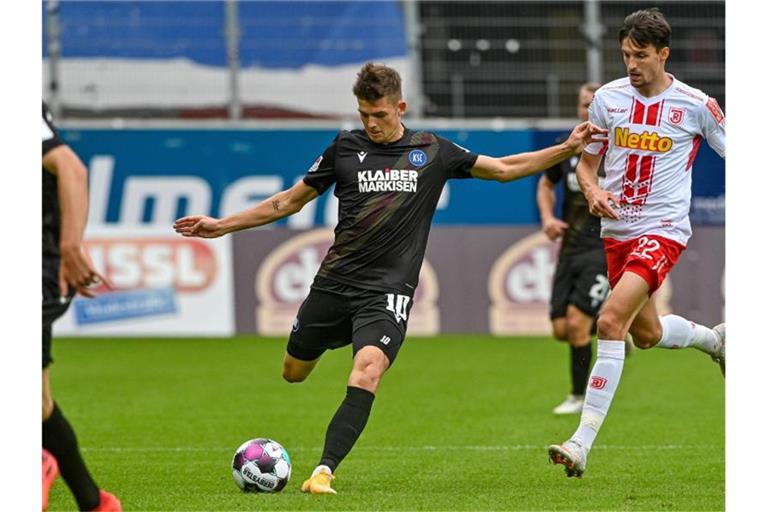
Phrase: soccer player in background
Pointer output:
(388, 180)
(67, 270)
(580, 284)
(655, 125)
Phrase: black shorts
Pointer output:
(332, 319)
(580, 279)
(53, 304)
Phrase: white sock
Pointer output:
(323, 468)
(603, 382)
(677, 332)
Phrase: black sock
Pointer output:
(346, 426)
(60, 440)
(580, 359)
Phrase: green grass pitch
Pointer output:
(459, 423)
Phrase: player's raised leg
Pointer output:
(627, 298)
(675, 332)
(297, 370)
(350, 419)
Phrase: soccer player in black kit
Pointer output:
(580, 284)
(388, 180)
(67, 270)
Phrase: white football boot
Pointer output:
(719, 355)
(571, 455)
(572, 405)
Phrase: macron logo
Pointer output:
(361, 156)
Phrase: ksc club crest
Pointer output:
(418, 158)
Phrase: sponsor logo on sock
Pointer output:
(598, 382)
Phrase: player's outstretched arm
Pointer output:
(513, 167)
(280, 205)
(600, 201)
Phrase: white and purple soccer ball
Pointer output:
(261, 465)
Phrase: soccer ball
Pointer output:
(261, 465)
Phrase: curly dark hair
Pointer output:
(375, 81)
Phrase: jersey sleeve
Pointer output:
(713, 126)
(50, 134)
(597, 117)
(458, 160)
(322, 174)
(555, 173)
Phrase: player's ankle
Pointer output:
(322, 468)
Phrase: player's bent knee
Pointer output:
(578, 333)
(367, 374)
(291, 376)
(645, 338)
(296, 372)
(608, 326)
(603, 323)
(559, 329)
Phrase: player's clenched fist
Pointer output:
(601, 203)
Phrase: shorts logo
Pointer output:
(417, 157)
(295, 327)
(598, 382)
(676, 115)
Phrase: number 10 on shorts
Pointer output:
(398, 305)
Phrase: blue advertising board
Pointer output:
(152, 176)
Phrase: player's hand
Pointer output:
(77, 271)
(601, 204)
(198, 226)
(554, 228)
(584, 134)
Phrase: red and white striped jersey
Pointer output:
(650, 152)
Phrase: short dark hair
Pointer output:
(590, 87)
(375, 81)
(647, 26)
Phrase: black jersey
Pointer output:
(51, 217)
(583, 231)
(387, 197)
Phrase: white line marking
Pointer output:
(428, 448)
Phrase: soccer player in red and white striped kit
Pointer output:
(655, 125)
